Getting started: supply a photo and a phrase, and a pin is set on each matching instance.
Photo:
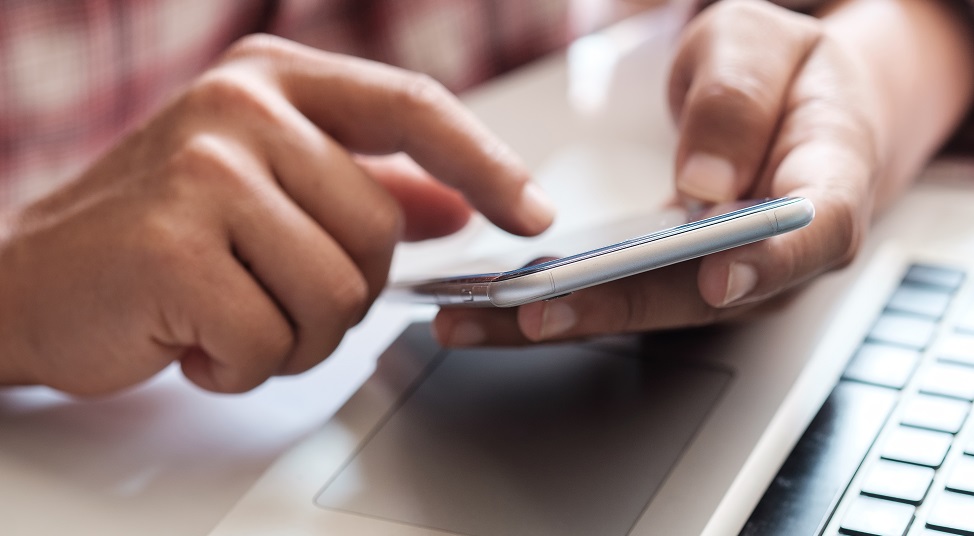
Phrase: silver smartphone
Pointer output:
(716, 229)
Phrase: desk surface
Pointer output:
(167, 458)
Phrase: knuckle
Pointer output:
(309, 351)
(382, 230)
(269, 345)
(239, 383)
(737, 8)
(746, 10)
(731, 31)
(200, 149)
(737, 95)
(764, 14)
(351, 299)
(203, 158)
(276, 344)
(230, 92)
(257, 46)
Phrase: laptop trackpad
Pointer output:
(552, 440)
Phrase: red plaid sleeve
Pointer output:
(459, 42)
(74, 76)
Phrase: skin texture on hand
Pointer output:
(240, 231)
(843, 110)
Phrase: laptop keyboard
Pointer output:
(894, 443)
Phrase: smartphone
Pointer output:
(717, 228)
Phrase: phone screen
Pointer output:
(659, 241)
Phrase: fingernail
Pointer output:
(708, 178)
(741, 279)
(556, 319)
(536, 203)
(466, 334)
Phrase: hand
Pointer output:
(770, 103)
(236, 232)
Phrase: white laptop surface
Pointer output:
(675, 434)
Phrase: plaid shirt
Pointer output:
(75, 75)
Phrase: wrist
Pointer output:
(917, 58)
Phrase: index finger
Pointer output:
(728, 89)
(373, 108)
(826, 151)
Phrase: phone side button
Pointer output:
(479, 293)
(466, 295)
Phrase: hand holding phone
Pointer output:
(721, 227)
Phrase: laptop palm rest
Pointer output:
(571, 439)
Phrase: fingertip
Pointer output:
(196, 367)
(742, 278)
(725, 283)
(707, 177)
(465, 327)
(438, 330)
(536, 210)
(712, 282)
(457, 333)
(207, 374)
(442, 214)
(530, 320)
(524, 207)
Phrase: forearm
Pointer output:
(920, 57)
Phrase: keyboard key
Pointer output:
(961, 476)
(956, 347)
(897, 481)
(904, 330)
(949, 380)
(935, 276)
(883, 365)
(920, 447)
(923, 301)
(954, 513)
(935, 413)
(875, 517)
(823, 462)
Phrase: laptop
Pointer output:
(841, 408)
